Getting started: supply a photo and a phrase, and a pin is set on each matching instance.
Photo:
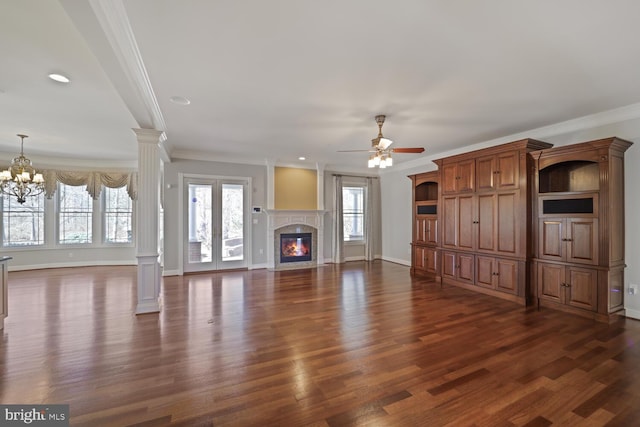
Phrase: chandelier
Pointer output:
(21, 179)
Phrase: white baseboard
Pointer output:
(633, 314)
(258, 266)
(170, 273)
(70, 264)
(397, 261)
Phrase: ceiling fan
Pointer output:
(381, 153)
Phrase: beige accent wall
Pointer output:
(295, 189)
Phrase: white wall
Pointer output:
(396, 192)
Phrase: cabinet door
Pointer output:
(432, 230)
(449, 265)
(485, 272)
(506, 275)
(582, 240)
(449, 215)
(487, 217)
(466, 176)
(465, 223)
(581, 288)
(419, 258)
(449, 178)
(506, 223)
(507, 174)
(431, 260)
(485, 173)
(458, 266)
(550, 243)
(422, 228)
(465, 267)
(551, 280)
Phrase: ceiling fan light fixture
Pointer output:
(384, 143)
(371, 163)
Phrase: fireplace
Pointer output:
(295, 247)
(295, 223)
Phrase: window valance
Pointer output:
(93, 180)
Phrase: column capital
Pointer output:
(151, 136)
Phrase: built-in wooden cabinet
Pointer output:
(485, 214)
(425, 254)
(579, 216)
(527, 222)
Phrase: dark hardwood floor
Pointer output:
(361, 344)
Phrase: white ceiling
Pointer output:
(274, 80)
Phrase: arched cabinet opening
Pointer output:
(570, 176)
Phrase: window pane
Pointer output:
(23, 225)
(118, 211)
(200, 225)
(353, 213)
(232, 222)
(76, 211)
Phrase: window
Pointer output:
(118, 212)
(75, 210)
(353, 213)
(23, 225)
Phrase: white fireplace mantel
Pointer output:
(278, 218)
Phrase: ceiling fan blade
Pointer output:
(355, 151)
(408, 150)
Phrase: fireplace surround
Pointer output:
(295, 222)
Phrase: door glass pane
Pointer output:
(200, 227)
(232, 222)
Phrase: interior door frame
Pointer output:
(247, 181)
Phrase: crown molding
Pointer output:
(114, 21)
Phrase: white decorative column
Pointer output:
(147, 209)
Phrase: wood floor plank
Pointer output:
(354, 344)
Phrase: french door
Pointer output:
(215, 224)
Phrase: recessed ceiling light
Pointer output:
(180, 100)
(302, 158)
(59, 78)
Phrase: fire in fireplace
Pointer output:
(295, 247)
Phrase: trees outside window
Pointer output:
(75, 215)
(353, 213)
(118, 213)
(22, 224)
